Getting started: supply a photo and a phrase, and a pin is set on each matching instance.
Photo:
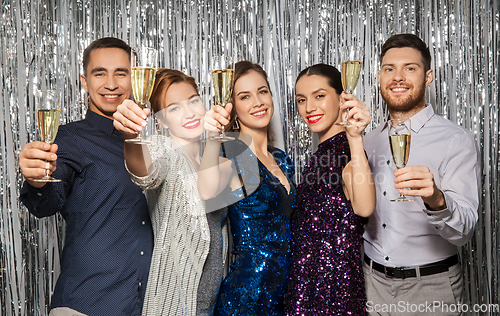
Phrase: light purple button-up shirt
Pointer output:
(404, 234)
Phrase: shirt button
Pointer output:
(385, 193)
(142, 253)
(39, 194)
(388, 162)
(383, 225)
(386, 258)
(143, 223)
(140, 283)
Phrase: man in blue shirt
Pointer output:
(107, 252)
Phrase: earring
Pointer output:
(236, 125)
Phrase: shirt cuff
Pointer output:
(31, 196)
(37, 194)
(440, 215)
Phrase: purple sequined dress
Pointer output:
(326, 274)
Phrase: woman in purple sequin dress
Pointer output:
(335, 195)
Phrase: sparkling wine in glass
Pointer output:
(352, 62)
(399, 141)
(48, 113)
(222, 78)
(143, 67)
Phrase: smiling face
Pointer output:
(252, 101)
(107, 80)
(403, 80)
(182, 112)
(318, 105)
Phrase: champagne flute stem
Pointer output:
(346, 116)
(222, 133)
(46, 169)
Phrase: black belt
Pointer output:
(402, 273)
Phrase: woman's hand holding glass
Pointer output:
(144, 61)
(222, 77)
(130, 119)
(216, 118)
(359, 114)
(352, 62)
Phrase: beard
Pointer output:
(405, 103)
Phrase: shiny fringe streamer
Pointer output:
(42, 43)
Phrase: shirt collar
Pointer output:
(418, 120)
(100, 122)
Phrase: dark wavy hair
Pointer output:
(329, 72)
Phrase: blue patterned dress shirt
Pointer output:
(109, 240)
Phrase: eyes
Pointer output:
(391, 69)
(301, 100)
(103, 73)
(192, 102)
(247, 96)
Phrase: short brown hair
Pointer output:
(408, 40)
(164, 79)
(105, 42)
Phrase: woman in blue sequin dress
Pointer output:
(335, 194)
(260, 219)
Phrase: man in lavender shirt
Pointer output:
(411, 263)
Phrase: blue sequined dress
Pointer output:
(326, 275)
(260, 227)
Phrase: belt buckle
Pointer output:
(401, 271)
(385, 273)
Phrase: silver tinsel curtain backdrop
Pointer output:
(42, 41)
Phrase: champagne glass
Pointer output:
(399, 141)
(143, 66)
(352, 62)
(222, 76)
(48, 113)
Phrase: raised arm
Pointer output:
(129, 119)
(45, 199)
(357, 174)
(215, 172)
